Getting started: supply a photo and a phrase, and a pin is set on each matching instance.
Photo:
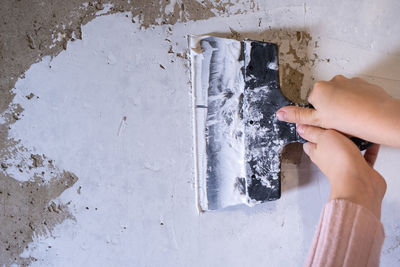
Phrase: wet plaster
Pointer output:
(28, 208)
(30, 30)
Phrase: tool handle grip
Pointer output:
(360, 143)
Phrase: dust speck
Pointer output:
(30, 96)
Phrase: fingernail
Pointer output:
(300, 129)
(281, 115)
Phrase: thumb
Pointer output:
(298, 115)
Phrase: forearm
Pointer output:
(391, 123)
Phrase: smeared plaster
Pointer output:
(46, 31)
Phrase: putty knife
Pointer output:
(238, 139)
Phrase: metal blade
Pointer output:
(237, 137)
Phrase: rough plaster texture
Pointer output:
(96, 141)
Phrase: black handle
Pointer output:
(360, 143)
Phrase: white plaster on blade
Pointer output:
(228, 137)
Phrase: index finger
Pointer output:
(298, 115)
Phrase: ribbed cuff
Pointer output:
(347, 235)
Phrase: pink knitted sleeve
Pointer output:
(347, 235)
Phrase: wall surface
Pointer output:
(96, 137)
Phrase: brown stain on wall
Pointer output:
(296, 58)
(292, 80)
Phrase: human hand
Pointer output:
(350, 174)
(352, 106)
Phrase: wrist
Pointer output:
(365, 187)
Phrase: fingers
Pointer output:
(339, 78)
(310, 133)
(298, 115)
(371, 154)
(309, 149)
